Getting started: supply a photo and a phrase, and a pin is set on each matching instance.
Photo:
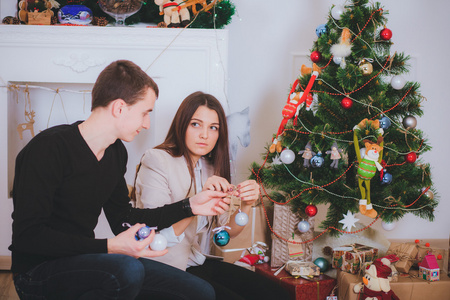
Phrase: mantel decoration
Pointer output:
(205, 14)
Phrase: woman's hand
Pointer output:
(217, 183)
(248, 192)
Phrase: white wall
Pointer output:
(263, 37)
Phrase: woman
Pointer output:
(194, 157)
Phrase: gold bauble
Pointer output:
(366, 68)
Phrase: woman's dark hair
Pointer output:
(175, 143)
(124, 80)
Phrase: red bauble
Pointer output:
(346, 103)
(311, 210)
(316, 56)
(386, 34)
(411, 157)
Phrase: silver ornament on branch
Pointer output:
(337, 60)
(388, 226)
(287, 156)
(385, 122)
(337, 11)
(303, 226)
(317, 160)
(429, 194)
(398, 82)
(409, 122)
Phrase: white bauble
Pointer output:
(388, 226)
(337, 60)
(241, 218)
(159, 242)
(398, 82)
(287, 156)
(337, 11)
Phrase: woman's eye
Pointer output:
(214, 128)
(195, 124)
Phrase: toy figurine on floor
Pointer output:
(376, 283)
(368, 164)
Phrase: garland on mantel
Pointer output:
(217, 18)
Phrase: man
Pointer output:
(66, 175)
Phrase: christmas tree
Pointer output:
(348, 135)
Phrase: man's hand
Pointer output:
(209, 203)
(125, 243)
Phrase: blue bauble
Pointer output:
(75, 14)
(317, 160)
(241, 219)
(385, 122)
(221, 238)
(321, 29)
(142, 233)
(322, 263)
(387, 178)
(303, 226)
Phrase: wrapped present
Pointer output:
(441, 256)
(285, 225)
(350, 258)
(40, 18)
(302, 268)
(408, 287)
(406, 252)
(319, 287)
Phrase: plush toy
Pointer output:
(335, 156)
(368, 165)
(376, 284)
(344, 48)
(307, 155)
(174, 14)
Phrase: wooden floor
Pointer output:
(7, 290)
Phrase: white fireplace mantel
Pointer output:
(180, 61)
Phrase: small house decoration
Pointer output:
(429, 268)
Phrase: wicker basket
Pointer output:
(284, 224)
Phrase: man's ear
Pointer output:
(117, 107)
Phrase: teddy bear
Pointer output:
(175, 15)
(375, 285)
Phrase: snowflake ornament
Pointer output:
(349, 221)
(276, 160)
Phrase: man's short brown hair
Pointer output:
(124, 80)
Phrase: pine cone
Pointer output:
(16, 21)
(327, 251)
(7, 20)
(101, 21)
(54, 20)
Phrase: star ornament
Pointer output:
(349, 221)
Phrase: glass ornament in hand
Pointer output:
(159, 242)
(241, 218)
(221, 237)
(120, 9)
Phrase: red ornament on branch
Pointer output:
(316, 56)
(346, 103)
(311, 210)
(386, 34)
(411, 157)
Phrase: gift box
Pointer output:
(350, 258)
(40, 18)
(302, 268)
(408, 287)
(441, 255)
(318, 287)
(406, 252)
(285, 224)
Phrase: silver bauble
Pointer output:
(409, 122)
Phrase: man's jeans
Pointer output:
(109, 276)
